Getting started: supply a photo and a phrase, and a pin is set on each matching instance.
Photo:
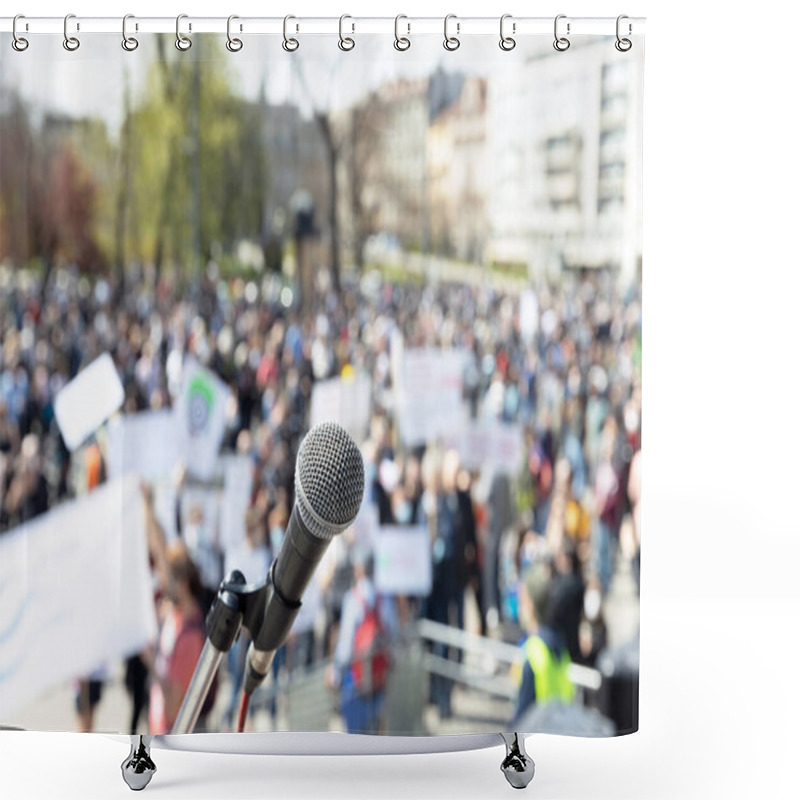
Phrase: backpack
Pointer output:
(368, 650)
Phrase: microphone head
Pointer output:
(328, 480)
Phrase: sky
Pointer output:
(89, 81)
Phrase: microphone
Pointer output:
(329, 488)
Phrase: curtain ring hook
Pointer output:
(401, 43)
(71, 43)
(183, 43)
(19, 43)
(561, 43)
(129, 43)
(346, 43)
(290, 44)
(507, 42)
(233, 44)
(451, 42)
(623, 45)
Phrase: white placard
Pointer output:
(200, 511)
(528, 315)
(200, 418)
(366, 524)
(489, 445)
(429, 395)
(144, 443)
(403, 561)
(88, 400)
(75, 592)
(343, 400)
(309, 610)
(235, 500)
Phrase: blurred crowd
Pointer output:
(573, 386)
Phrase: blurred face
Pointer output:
(177, 589)
(527, 613)
(255, 535)
(450, 470)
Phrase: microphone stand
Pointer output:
(237, 605)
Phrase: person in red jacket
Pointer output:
(172, 662)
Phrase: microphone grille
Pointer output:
(329, 479)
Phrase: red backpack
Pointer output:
(368, 649)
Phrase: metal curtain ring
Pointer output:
(182, 42)
(346, 43)
(401, 43)
(233, 44)
(561, 43)
(623, 45)
(18, 42)
(71, 43)
(289, 44)
(129, 43)
(451, 42)
(507, 42)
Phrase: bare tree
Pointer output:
(363, 140)
(319, 94)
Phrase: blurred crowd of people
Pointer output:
(573, 387)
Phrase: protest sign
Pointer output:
(429, 395)
(403, 560)
(489, 445)
(200, 418)
(144, 443)
(366, 525)
(528, 315)
(75, 592)
(343, 400)
(235, 500)
(88, 400)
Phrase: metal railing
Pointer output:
(484, 675)
(483, 665)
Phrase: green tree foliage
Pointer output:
(185, 178)
(198, 166)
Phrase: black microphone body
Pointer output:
(329, 487)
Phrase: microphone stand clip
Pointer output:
(237, 605)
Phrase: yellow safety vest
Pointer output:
(550, 673)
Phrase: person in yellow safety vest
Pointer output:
(543, 675)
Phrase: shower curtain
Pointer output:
(207, 249)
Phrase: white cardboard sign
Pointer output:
(88, 400)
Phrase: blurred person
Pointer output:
(9, 432)
(277, 521)
(566, 598)
(471, 577)
(593, 634)
(26, 493)
(361, 659)
(608, 502)
(540, 466)
(182, 636)
(200, 538)
(634, 497)
(454, 547)
(556, 522)
(500, 518)
(88, 693)
(543, 677)
(336, 576)
(90, 689)
(412, 491)
(252, 558)
(572, 447)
